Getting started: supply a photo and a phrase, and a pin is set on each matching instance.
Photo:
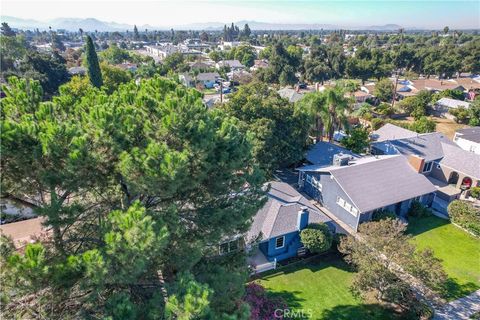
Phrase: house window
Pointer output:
(230, 246)
(279, 242)
(316, 184)
(427, 167)
(347, 206)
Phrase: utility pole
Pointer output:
(398, 71)
(221, 91)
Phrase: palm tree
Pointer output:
(338, 106)
(328, 110)
(314, 104)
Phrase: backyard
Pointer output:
(321, 287)
(459, 251)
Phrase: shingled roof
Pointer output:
(382, 182)
(279, 215)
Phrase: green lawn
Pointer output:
(321, 286)
(459, 251)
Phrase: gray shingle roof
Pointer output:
(452, 103)
(322, 153)
(207, 76)
(279, 215)
(470, 134)
(290, 94)
(427, 146)
(376, 184)
(461, 160)
(392, 132)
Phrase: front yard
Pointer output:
(321, 287)
(459, 251)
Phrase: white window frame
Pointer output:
(276, 242)
(428, 165)
(309, 178)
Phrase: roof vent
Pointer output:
(341, 159)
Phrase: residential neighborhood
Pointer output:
(183, 160)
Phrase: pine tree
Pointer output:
(94, 72)
(6, 30)
(136, 36)
(246, 30)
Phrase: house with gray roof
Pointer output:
(353, 189)
(391, 132)
(468, 139)
(276, 226)
(322, 153)
(290, 94)
(232, 64)
(444, 105)
(450, 168)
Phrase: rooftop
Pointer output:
(392, 132)
(279, 215)
(381, 182)
(322, 153)
(427, 146)
(470, 134)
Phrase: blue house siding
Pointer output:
(291, 244)
(328, 197)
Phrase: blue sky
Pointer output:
(354, 13)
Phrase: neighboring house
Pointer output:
(24, 232)
(77, 71)
(232, 64)
(290, 94)
(468, 139)
(207, 79)
(352, 189)
(227, 45)
(276, 226)
(322, 153)
(187, 80)
(361, 96)
(444, 105)
(406, 88)
(259, 64)
(131, 67)
(391, 132)
(451, 169)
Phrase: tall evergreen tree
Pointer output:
(94, 72)
(6, 30)
(246, 30)
(136, 35)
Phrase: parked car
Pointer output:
(302, 85)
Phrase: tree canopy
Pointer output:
(138, 188)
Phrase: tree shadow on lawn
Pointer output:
(290, 297)
(453, 290)
(331, 260)
(358, 312)
(417, 226)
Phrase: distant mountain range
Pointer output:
(92, 24)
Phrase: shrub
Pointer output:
(377, 123)
(475, 192)
(317, 237)
(418, 210)
(383, 214)
(423, 125)
(261, 305)
(465, 215)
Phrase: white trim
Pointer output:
(425, 165)
(283, 242)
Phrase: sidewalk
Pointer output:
(459, 309)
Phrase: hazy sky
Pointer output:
(407, 13)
